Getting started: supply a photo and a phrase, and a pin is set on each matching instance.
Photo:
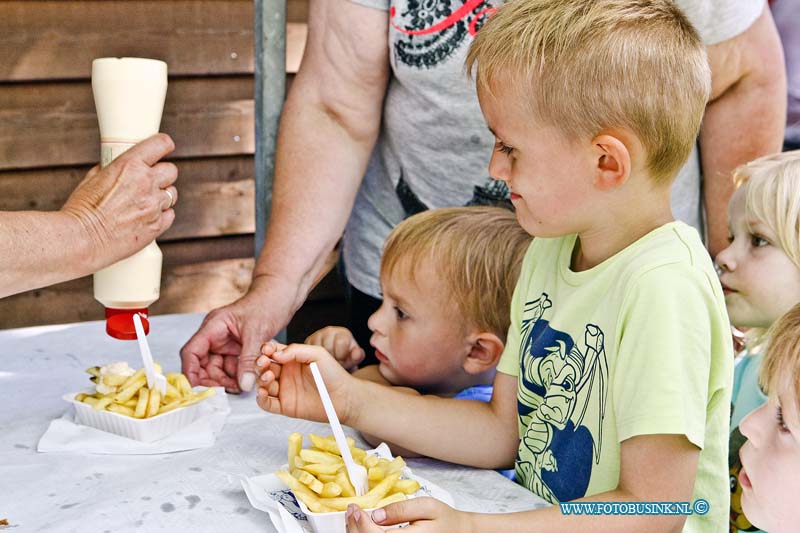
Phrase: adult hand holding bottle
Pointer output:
(113, 213)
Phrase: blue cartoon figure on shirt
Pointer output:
(559, 383)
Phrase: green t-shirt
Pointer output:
(637, 345)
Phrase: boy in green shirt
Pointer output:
(615, 382)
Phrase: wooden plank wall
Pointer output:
(49, 136)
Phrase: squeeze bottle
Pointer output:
(129, 95)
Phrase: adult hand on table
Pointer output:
(335, 105)
(427, 515)
(223, 350)
(287, 387)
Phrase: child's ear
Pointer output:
(613, 161)
(484, 354)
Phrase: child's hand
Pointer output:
(425, 514)
(286, 386)
(341, 344)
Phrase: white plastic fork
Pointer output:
(154, 381)
(356, 472)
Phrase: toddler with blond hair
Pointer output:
(771, 456)
(760, 275)
(447, 277)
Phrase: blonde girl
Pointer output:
(760, 275)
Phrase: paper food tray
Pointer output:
(142, 429)
(289, 515)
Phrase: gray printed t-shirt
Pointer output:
(434, 148)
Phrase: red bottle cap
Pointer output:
(119, 323)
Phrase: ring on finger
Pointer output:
(171, 198)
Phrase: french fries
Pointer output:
(129, 395)
(318, 478)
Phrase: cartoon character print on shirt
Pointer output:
(559, 381)
(431, 30)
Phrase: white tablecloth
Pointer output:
(196, 490)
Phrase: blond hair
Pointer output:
(781, 366)
(771, 188)
(589, 66)
(771, 185)
(477, 252)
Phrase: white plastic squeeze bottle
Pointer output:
(129, 95)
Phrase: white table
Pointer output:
(195, 490)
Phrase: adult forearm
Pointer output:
(745, 117)
(434, 426)
(41, 248)
(740, 126)
(319, 166)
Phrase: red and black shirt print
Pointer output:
(432, 30)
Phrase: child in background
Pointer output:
(760, 275)
(615, 382)
(447, 277)
(771, 456)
